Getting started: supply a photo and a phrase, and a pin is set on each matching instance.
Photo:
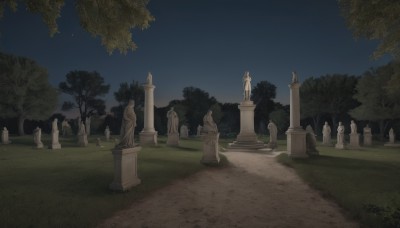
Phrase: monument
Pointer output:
(82, 136)
(246, 140)
(296, 136)
(340, 142)
(184, 131)
(172, 128)
(367, 136)
(55, 144)
(4, 136)
(210, 138)
(37, 137)
(273, 135)
(392, 139)
(326, 134)
(148, 135)
(125, 153)
(107, 133)
(199, 129)
(354, 136)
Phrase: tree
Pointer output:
(281, 118)
(377, 104)
(330, 94)
(378, 19)
(85, 87)
(197, 103)
(262, 95)
(26, 92)
(112, 21)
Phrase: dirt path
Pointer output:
(255, 191)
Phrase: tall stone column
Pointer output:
(296, 135)
(148, 134)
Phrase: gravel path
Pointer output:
(254, 191)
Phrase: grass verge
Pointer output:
(69, 187)
(365, 182)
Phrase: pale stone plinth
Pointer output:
(54, 140)
(82, 140)
(296, 142)
(354, 140)
(4, 137)
(148, 138)
(125, 169)
(173, 139)
(367, 139)
(210, 148)
(39, 145)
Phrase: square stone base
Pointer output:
(125, 169)
(55, 146)
(354, 140)
(367, 139)
(210, 148)
(148, 138)
(296, 143)
(39, 145)
(247, 137)
(173, 139)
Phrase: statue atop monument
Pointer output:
(247, 86)
(149, 79)
(295, 79)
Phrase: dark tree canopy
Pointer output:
(112, 21)
(262, 95)
(378, 20)
(86, 88)
(130, 91)
(25, 90)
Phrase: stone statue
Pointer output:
(247, 86)
(54, 126)
(367, 130)
(184, 132)
(340, 134)
(128, 127)
(367, 136)
(199, 129)
(326, 133)
(353, 127)
(273, 133)
(173, 121)
(311, 141)
(295, 79)
(64, 127)
(209, 124)
(37, 137)
(391, 136)
(4, 136)
(149, 79)
(107, 133)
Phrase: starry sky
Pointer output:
(207, 44)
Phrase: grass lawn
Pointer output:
(69, 187)
(365, 182)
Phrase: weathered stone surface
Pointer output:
(125, 169)
(210, 148)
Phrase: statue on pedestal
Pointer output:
(247, 86)
(128, 127)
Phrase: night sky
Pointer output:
(207, 44)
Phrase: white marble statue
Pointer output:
(391, 136)
(353, 127)
(326, 134)
(54, 126)
(128, 127)
(247, 86)
(184, 131)
(4, 136)
(149, 79)
(208, 123)
(340, 133)
(273, 134)
(295, 79)
(37, 137)
(367, 136)
(107, 133)
(55, 144)
(173, 121)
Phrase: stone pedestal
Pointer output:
(247, 138)
(210, 148)
(340, 145)
(148, 135)
(107, 134)
(173, 139)
(148, 138)
(354, 140)
(39, 145)
(367, 139)
(54, 140)
(296, 142)
(295, 135)
(82, 140)
(4, 137)
(125, 169)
